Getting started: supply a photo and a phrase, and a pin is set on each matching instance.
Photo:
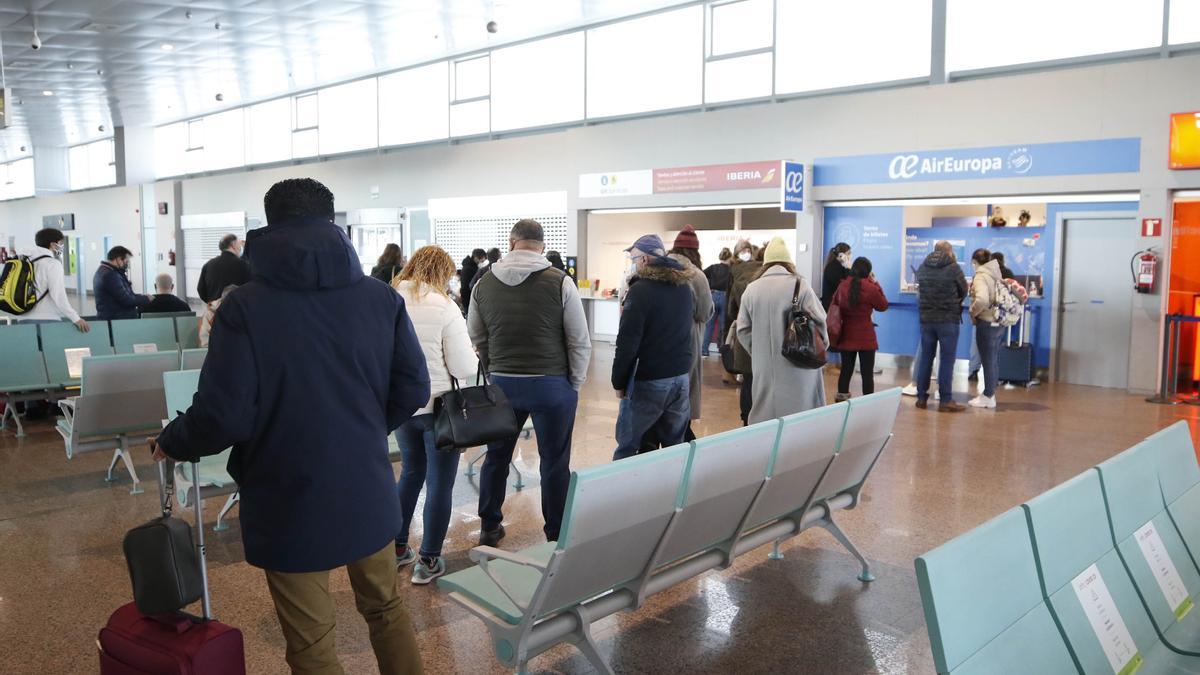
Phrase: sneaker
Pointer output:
(838, 398)
(491, 537)
(428, 569)
(982, 401)
(922, 403)
(951, 407)
(404, 555)
(910, 390)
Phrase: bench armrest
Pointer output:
(483, 554)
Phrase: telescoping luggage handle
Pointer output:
(166, 493)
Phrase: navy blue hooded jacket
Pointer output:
(115, 298)
(309, 367)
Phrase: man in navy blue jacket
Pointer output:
(309, 367)
(115, 298)
(654, 351)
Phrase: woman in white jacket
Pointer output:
(440, 327)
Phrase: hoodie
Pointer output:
(655, 341)
(941, 289)
(983, 291)
(310, 365)
(513, 270)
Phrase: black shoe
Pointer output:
(491, 537)
(973, 377)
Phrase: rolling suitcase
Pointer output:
(174, 643)
(1016, 357)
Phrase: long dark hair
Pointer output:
(838, 249)
(691, 254)
(392, 256)
(861, 269)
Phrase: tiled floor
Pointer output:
(62, 573)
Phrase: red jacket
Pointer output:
(858, 333)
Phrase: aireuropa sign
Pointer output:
(791, 187)
(1115, 155)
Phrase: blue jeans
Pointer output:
(942, 338)
(551, 401)
(988, 337)
(717, 323)
(976, 362)
(663, 405)
(424, 464)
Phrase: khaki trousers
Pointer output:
(306, 615)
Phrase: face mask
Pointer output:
(844, 259)
(744, 256)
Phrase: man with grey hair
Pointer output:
(527, 322)
(941, 288)
(164, 299)
(227, 269)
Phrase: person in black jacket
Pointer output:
(718, 275)
(311, 365)
(942, 287)
(654, 351)
(389, 265)
(470, 265)
(493, 257)
(837, 268)
(115, 298)
(227, 269)
(165, 299)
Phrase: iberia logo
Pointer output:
(769, 177)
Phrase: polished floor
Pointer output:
(62, 572)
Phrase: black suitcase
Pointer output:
(1016, 356)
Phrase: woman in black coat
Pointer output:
(837, 267)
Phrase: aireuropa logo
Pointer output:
(905, 167)
(795, 182)
(1020, 160)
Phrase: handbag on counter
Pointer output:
(469, 417)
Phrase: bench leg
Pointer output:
(221, 525)
(473, 461)
(583, 641)
(10, 409)
(109, 477)
(775, 553)
(122, 454)
(844, 540)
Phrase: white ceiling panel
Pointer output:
(106, 64)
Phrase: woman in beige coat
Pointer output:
(686, 251)
(779, 388)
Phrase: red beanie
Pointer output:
(687, 238)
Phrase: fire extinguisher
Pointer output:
(1144, 268)
(171, 257)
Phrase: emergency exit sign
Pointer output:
(1151, 227)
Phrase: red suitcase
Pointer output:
(174, 644)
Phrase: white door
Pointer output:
(1096, 301)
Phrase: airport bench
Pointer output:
(1113, 568)
(23, 372)
(120, 403)
(638, 526)
(213, 479)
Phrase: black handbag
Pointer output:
(803, 345)
(163, 564)
(468, 417)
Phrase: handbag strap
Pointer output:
(796, 294)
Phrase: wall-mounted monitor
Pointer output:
(1185, 140)
(60, 221)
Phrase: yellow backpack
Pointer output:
(18, 286)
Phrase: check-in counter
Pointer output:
(603, 317)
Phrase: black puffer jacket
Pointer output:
(942, 288)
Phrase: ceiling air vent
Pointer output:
(98, 27)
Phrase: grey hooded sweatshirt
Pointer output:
(485, 324)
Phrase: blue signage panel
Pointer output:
(1114, 155)
(791, 187)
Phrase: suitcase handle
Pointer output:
(166, 493)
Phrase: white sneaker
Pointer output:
(982, 401)
(910, 390)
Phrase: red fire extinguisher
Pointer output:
(1144, 267)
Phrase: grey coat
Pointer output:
(779, 388)
(703, 312)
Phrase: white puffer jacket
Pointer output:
(442, 330)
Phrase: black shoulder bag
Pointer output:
(468, 417)
(803, 346)
(164, 565)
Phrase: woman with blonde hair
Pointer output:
(442, 331)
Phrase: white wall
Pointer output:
(1106, 101)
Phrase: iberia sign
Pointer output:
(705, 178)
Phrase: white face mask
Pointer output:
(745, 256)
(844, 259)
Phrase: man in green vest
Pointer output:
(527, 323)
